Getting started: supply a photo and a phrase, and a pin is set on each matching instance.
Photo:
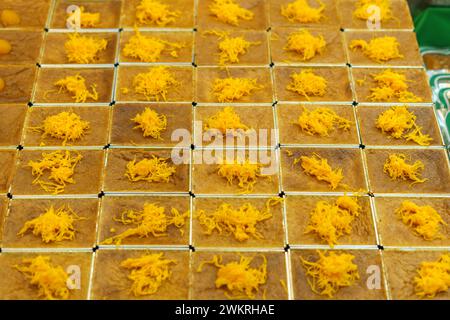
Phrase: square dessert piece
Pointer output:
(369, 285)
(16, 285)
(150, 168)
(25, 47)
(32, 14)
(371, 135)
(300, 124)
(299, 213)
(19, 82)
(11, 123)
(96, 134)
(87, 173)
(114, 231)
(7, 163)
(214, 223)
(204, 276)
(17, 234)
(393, 215)
(96, 80)
(435, 171)
(111, 278)
(133, 125)
(3, 210)
(349, 160)
(337, 86)
(283, 52)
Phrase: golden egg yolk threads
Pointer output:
(153, 12)
(379, 49)
(155, 84)
(362, 9)
(89, 19)
(9, 18)
(151, 123)
(245, 173)
(238, 277)
(50, 280)
(231, 89)
(60, 166)
(305, 45)
(331, 272)
(433, 277)
(424, 220)
(77, 86)
(319, 167)
(321, 121)
(84, 49)
(307, 84)
(152, 220)
(301, 11)
(5, 47)
(226, 121)
(397, 168)
(390, 85)
(230, 12)
(151, 170)
(54, 225)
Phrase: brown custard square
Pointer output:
(298, 212)
(203, 283)
(338, 84)
(291, 133)
(18, 83)
(369, 268)
(25, 46)
(417, 81)
(271, 230)
(401, 269)
(179, 118)
(117, 181)
(371, 135)
(207, 75)
(111, 281)
(332, 53)
(113, 207)
(349, 160)
(19, 286)
(7, 163)
(436, 171)
(32, 13)
(48, 92)
(87, 176)
(11, 123)
(95, 135)
(392, 230)
(22, 210)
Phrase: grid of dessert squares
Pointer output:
(104, 193)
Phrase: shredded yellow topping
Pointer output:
(245, 172)
(84, 49)
(319, 167)
(331, 272)
(148, 273)
(77, 86)
(321, 121)
(155, 84)
(9, 18)
(229, 11)
(231, 89)
(301, 11)
(238, 277)
(50, 280)
(307, 84)
(151, 123)
(89, 19)
(361, 11)
(150, 170)
(397, 168)
(391, 85)
(433, 277)
(60, 166)
(225, 120)
(303, 43)
(156, 13)
(379, 49)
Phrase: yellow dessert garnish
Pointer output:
(399, 119)
(331, 221)
(5, 47)
(53, 225)
(150, 170)
(238, 277)
(362, 11)
(60, 166)
(301, 11)
(2, 84)
(241, 221)
(307, 84)
(66, 126)
(84, 49)
(321, 121)
(148, 272)
(433, 277)
(397, 168)
(379, 49)
(155, 84)
(424, 220)
(77, 86)
(303, 43)
(331, 272)
(50, 280)
(319, 167)
(152, 220)
(391, 85)
(156, 13)
(231, 89)
(151, 123)
(225, 120)
(89, 19)
(149, 49)
(229, 11)
(9, 18)
(245, 172)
